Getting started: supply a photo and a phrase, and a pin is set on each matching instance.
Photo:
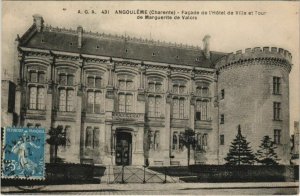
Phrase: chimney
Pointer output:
(79, 32)
(39, 22)
(206, 49)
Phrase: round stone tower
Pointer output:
(253, 92)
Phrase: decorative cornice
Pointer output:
(265, 55)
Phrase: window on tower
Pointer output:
(276, 110)
(277, 136)
(276, 85)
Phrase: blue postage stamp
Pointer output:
(23, 153)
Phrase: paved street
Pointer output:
(250, 191)
(289, 188)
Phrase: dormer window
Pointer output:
(153, 54)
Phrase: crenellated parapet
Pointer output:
(265, 55)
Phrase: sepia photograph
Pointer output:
(150, 98)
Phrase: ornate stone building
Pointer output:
(123, 100)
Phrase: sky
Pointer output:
(276, 26)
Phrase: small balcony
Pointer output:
(123, 116)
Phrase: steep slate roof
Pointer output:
(105, 45)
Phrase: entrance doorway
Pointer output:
(123, 148)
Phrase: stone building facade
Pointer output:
(123, 100)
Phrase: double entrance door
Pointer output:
(123, 148)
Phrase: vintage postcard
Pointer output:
(140, 97)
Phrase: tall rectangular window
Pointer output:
(202, 109)
(62, 100)
(222, 119)
(181, 108)
(70, 95)
(96, 135)
(128, 103)
(276, 85)
(157, 106)
(90, 104)
(175, 141)
(204, 140)
(151, 106)
(222, 140)
(175, 108)
(88, 137)
(32, 97)
(277, 136)
(40, 98)
(121, 103)
(97, 102)
(276, 110)
(222, 94)
(156, 140)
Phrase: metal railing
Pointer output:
(135, 174)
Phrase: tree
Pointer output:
(266, 154)
(240, 152)
(188, 141)
(57, 138)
